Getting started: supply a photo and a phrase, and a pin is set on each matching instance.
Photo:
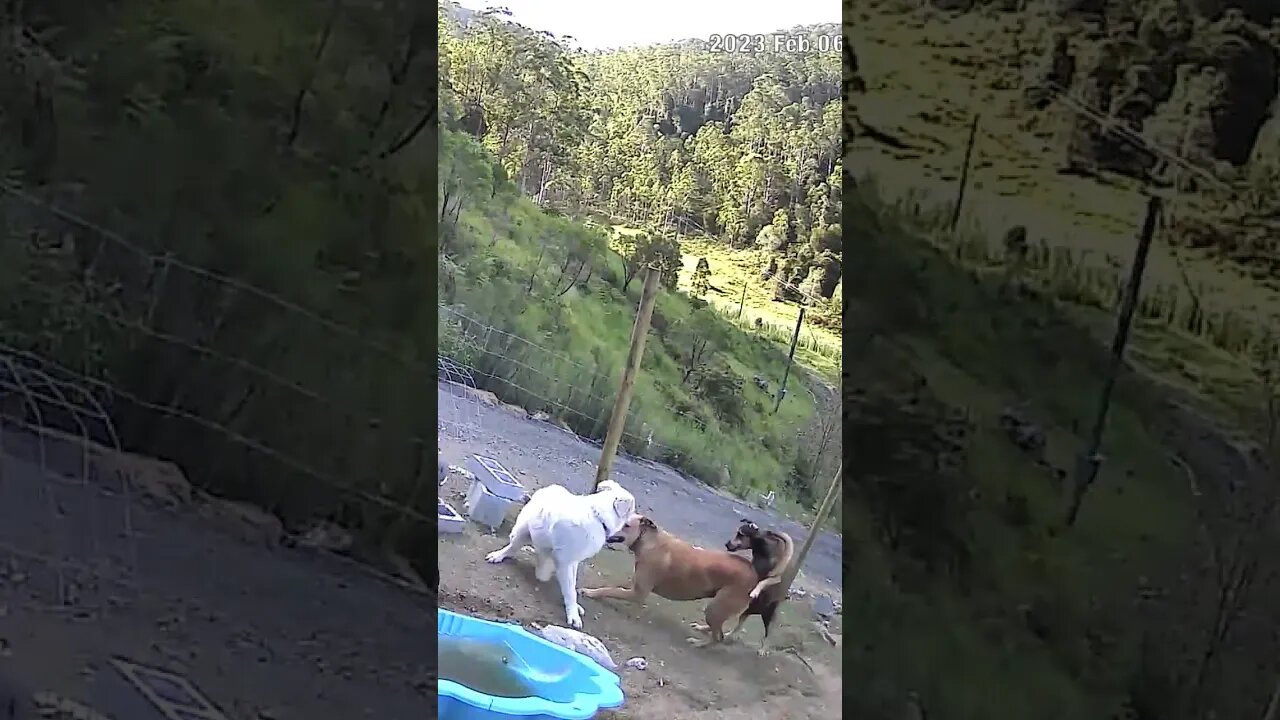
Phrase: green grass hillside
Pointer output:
(516, 266)
(969, 589)
(818, 348)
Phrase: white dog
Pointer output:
(565, 529)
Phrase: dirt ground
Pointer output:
(263, 630)
(723, 682)
(800, 678)
(539, 453)
(270, 632)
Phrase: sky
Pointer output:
(599, 24)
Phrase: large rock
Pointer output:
(1201, 90)
(1259, 11)
(1184, 122)
(1220, 94)
(1243, 61)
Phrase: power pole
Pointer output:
(964, 174)
(618, 417)
(1090, 461)
(795, 337)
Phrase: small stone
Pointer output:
(823, 606)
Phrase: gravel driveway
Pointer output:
(540, 453)
(263, 631)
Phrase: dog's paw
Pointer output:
(588, 592)
(574, 618)
(755, 593)
(495, 557)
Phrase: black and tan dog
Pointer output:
(771, 553)
(676, 570)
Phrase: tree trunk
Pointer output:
(295, 120)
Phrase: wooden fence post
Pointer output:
(639, 331)
(964, 175)
(824, 510)
(1089, 463)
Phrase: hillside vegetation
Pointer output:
(967, 411)
(563, 174)
(973, 400)
(1194, 80)
(742, 148)
(288, 146)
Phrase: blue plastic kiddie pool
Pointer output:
(563, 685)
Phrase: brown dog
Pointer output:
(672, 568)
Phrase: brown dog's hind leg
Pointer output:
(737, 626)
(703, 628)
(728, 602)
(714, 633)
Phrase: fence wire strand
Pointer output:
(153, 271)
(511, 366)
(491, 348)
(168, 260)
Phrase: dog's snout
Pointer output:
(729, 546)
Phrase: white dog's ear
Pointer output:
(623, 507)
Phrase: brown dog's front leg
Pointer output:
(615, 593)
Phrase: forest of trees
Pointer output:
(563, 173)
(744, 148)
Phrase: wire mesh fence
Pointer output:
(257, 397)
(66, 529)
(254, 396)
(548, 384)
(1076, 245)
(578, 396)
(457, 412)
